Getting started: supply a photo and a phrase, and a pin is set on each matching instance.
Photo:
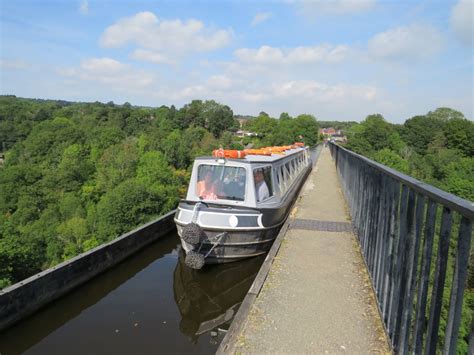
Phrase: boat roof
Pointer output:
(259, 158)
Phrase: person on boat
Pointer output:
(207, 189)
(261, 187)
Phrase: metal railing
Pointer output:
(395, 219)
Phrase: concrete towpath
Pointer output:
(317, 297)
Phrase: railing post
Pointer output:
(459, 283)
(439, 279)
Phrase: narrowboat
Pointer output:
(237, 201)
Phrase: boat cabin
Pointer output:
(252, 181)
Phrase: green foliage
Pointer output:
(419, 131)
(459, 134)
(66, 161)
(117, 164)
(212, 116)
(263, 125)
(79, 174)
(72, 233)
(342, 125)
(284, 131)
(128, 205)
(153, 169)
(390, 158)
(458, 178)
(307, 128)
(374, 134)
(445, 114)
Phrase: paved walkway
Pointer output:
(317, 297)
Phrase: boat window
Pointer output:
(221, 182)
(288, 170)
(263, 183)
(281, 178)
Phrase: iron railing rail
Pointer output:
(394, 217)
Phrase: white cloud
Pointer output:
(84, 7)
(275, 95)
(406, 43)
(318, 91)
(109, 72)
(220, 82)
(266, 54)
(461, 20)
(261, 17)
(150, 56)
(163, 40)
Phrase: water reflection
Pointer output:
(208, 299)
(151, 303)
(34, 329)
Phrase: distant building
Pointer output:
(333, 135)
(241, 133)
(242, 121)
(330, 131)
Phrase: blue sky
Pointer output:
(336, 59)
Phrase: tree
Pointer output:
(72, 233)
(459, 134)
(218, 117)
(418, 131)
(263, 125)
(458, 178)
(307, 127)
(127, 206)
(374, 134)
(445, 114)
(391, 159)
(176, 150)
(154, 169)
(285, 116)
(74, 168)
(117, 164)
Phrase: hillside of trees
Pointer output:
(77, 175)
(437, 148)
(342, 125)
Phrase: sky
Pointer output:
(335, 59)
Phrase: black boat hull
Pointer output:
(254, 234)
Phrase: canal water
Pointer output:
(151, 303)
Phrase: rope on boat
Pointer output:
(214, 244)
(192, 233)
(196, 260)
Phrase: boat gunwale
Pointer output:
(230, 230)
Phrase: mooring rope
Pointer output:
(214, 244)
